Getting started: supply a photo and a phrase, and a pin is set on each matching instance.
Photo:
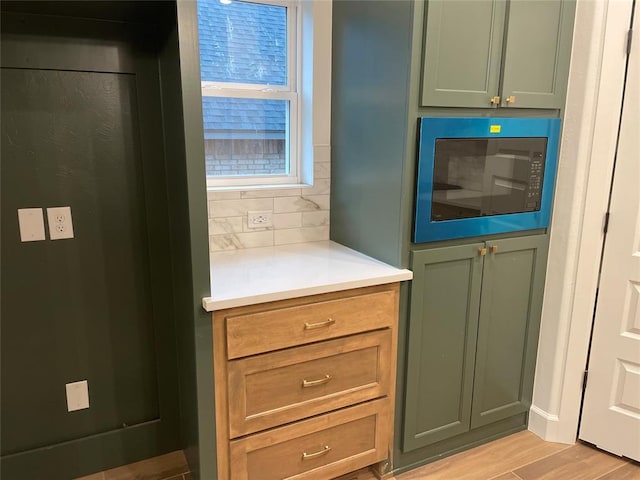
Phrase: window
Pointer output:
(254, 92)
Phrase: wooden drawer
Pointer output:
(318, 448)
(284, 386)
(264, 331)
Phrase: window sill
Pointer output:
(260, 191)
(246, 188)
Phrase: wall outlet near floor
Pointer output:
(77, 395)
(60, 223)
(263, 219)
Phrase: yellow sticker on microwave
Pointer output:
(495, 128)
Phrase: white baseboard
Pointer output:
(546, 425)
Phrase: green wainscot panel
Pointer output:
(445, 296)
(83, 126)
(537, 53)
(462, 52)
(510, 309)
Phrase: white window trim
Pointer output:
(308, 91)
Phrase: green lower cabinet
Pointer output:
(473, 331)
(510, 308)
(445, 299)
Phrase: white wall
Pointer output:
(584, 177)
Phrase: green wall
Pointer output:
(77, 303)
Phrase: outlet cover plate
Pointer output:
(77, 395)
(31, 223)
(60, 223)
(261, 219)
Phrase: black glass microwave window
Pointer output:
(478, 177)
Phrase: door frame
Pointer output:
(594, 100)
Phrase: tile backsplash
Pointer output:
(299, 214)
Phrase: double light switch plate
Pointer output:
(31, 223)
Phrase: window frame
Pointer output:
(291, 92)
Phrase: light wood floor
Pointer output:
(172, 466)
(524, 456)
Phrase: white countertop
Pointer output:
(257, 275)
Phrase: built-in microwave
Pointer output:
(481, 176)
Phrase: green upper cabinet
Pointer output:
(491, 53)
(463, 48)
(537, 53)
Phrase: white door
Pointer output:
(611, 410)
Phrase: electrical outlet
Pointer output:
(60, 223)
(77, 395)
(262, 219)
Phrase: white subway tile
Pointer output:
(321, 170)
(221, 225)
(234, 208)
(315, 219)
(321, 186)
(306, 203)
(300, 235)
(287, 220)
(222, 195)
(240, 240)
(323, 201)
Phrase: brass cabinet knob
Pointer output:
(494, 248)
(482, 251)
(495, 100)
(511, 99)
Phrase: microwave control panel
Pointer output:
(536, 173)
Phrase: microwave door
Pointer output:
(505, 184)
(457, 187)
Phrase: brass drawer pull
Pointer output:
(313, 383)
(495, 100)
(511, 99)
(308, 456)
(326, 323)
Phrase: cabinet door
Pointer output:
(445, 295)
(511, 303)
(537, 53)
(463, 46)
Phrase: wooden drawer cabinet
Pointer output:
(319, 448)
(284, 386)
(248, 334)
(305, 387)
